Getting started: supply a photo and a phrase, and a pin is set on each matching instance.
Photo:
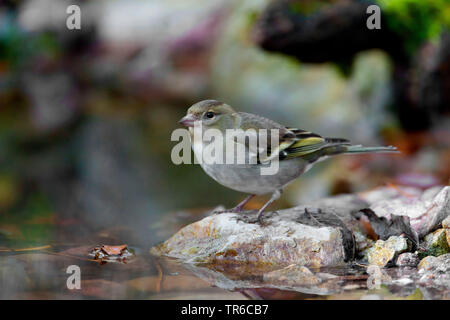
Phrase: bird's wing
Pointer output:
(307, 143)
(293, 142)
(286, 138)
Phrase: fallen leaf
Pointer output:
(114, 249)
(384, 228)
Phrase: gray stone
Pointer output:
(293, 278)
(292, 275)
(427, 262)
(407, 259)
(284, 238)
(435, 271)
(384, 252)
(426, 210)
(436, 243)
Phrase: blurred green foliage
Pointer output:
(416, 20)
(18, 46)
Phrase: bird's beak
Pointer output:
(187, 121)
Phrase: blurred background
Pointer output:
(86, 115)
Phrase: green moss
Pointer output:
(435, 244)
(416, 20)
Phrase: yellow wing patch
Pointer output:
(304, 146)
(307, 142)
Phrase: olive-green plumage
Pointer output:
(297, 149)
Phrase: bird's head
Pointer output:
(211, 114)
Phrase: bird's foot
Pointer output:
(263, 218)
(253, 217)
(274, 197)
(263, 221)
(246, 218)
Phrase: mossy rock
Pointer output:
(435, 244)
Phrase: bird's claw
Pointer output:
(263, 219)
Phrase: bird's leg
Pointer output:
(238, 208)
(276, 195)
(241, 205)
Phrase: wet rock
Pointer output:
(345, 206)
(292, 278)
(385, 228)
(286, 237)
(292, 275)
(435, 271)
(363, 243)
(384, 252)
(446, 223)
(426, 262)
(407, 259)
(293, 282)
(436, 243)
(426, 210)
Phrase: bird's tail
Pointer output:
(346, 148)
(361, 149)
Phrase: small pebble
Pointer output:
(407, 259)
(427, 262)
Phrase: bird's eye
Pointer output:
(209, 114)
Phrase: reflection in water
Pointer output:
(40, 273)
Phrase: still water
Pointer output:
(33, 270)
